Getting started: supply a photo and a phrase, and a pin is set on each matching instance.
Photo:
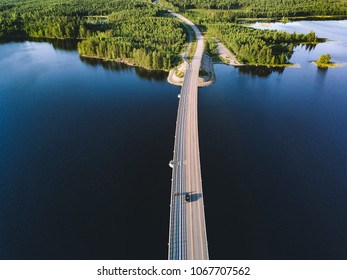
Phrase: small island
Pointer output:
(324, 61)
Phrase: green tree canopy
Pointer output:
(324, 59)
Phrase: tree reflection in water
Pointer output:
(260, 71)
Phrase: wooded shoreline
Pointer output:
(136, 32)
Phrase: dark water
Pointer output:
(84, 159)
(85, 145)
(274, 157)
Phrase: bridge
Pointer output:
(187, 234)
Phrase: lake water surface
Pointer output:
(85, 146)
(274, 155)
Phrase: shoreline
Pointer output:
(294, 18)
(115, 60)
(329, 65)
(122, 60)
(225, 55)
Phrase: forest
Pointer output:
(259, 47)
(251, 46)
(263, 8)
(149, 42)
(134, 31)
(140, 33)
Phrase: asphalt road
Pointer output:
(187, 236)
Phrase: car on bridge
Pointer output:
(187, 197)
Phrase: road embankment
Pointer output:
(206, 78)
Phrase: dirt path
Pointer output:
(226, 55)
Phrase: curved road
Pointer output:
(187, 234)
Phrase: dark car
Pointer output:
(187, 197)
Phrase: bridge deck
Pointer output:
(187, 237)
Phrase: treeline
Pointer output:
(119, 50)
(259, 47)
(134, 31)
(52, 18)
(251, 46)
(264, 8)
(71, 7)
(153, 43)
(61, 27)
